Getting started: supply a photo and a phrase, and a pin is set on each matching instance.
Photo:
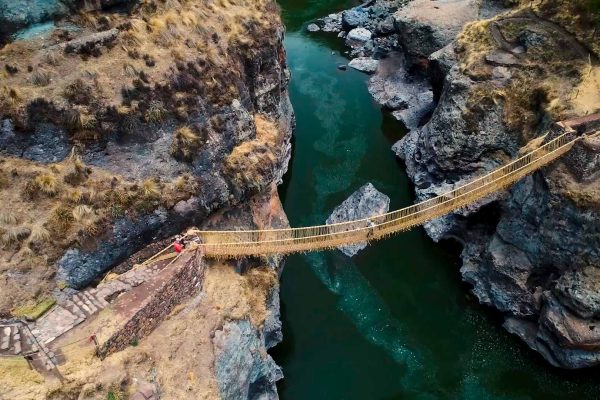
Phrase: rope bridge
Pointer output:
(231, 244)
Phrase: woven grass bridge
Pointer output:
(232, 244)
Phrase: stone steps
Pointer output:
(10, 340)
(18, 339)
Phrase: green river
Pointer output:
(395, 321)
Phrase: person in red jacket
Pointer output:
(179, 244)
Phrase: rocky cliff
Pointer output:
(124, 122)
(476, 82)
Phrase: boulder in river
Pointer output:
(364, 64)
(359, 35)
(364, 203)
(313, 28)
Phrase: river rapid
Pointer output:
(395, 321)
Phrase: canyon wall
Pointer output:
(476, 83)
(123, 123)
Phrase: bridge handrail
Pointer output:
(449, 198)
(524, 161)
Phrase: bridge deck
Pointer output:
(228, 244)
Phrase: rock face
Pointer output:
(364, 203)
(161, 140)
(243, 369)
(410, 98)
(521, 261)
(426, 26)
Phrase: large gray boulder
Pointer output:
(242, 368)
(364, 203)
(364, 64)
(358, 35)
(426, 26)
(354, 18)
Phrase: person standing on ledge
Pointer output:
(179, 244)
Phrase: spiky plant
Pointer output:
(156, 112)
(15, 234)
(8, 218)
(39, 234)
(47, 184)
(62, 218)
(82, 212)
(150, 188)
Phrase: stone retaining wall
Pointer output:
(169, 288)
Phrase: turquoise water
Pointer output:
(394, 322)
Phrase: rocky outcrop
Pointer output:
(521, 247)
(409, 98)
(425, 26)
(243, 369)
(160, 140)
(364, 203)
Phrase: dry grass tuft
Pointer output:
(40, 77)
(150, 188)
(185, 143)
(472, 45)
(61, 219)
(52, 58)
(39, 235)
(78, 92)
(8, 218)
(47, 184)
(74, 196)
(77, 120)
(14, 234)
(82, 212)
(130, 70)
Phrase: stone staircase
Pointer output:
(16, 339)
(78, 308)
(10, 340)
(32, 340)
